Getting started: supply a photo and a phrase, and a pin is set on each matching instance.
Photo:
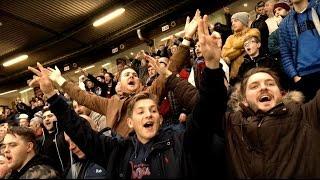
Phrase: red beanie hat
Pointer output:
(283, 5)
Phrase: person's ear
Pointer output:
(130, 122)
(29, 146)
(161, 119)
(259, 44)
(245, 102)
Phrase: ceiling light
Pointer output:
(25, 90)
(107, 64)
(8, 92)
(108, 17)
(245, 5)
(86, 68)
(15, 60)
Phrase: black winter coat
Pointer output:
(37, 168)
(169, 153)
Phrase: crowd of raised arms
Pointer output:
(234, 100)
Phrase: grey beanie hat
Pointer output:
(243, 17)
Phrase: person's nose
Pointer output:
(148, 114)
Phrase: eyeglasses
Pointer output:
(245, 44)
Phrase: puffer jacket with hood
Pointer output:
(281, 143)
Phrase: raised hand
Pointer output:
(156, 65)
(191, 27)
(210, 45)
(226, 10)
(54, 74)
(42, 78)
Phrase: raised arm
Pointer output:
(311, 110)
(204, 137)
(76, 127)
(210, 109)
(80, 131)
(96, 82)
(96, 103)
(182, 55)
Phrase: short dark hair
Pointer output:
(26, 133)
(121, 61)
(260, 4)
(100, 76)
(247, 75)
(138, 97)
(110, 74)
(45, 108)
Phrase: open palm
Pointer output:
(210, 45)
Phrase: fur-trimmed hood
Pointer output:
(291, 96)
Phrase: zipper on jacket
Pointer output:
(56, 143)
(260, 123)
(153, 148)
(260, 146)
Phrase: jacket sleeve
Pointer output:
(91, 101)
(210, 109)
(229, 53)
(96, 82)
(285, 50)
(158, 86)
(96, 146)
(228, 16)
(311, 110)
(273, 43)
(178, 59)
(185, 93)
(204, 136)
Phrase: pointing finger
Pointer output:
(34, 70)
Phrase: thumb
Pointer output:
(187, 20)
(56, 68)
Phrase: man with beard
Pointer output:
(151, 152)
(267, 138)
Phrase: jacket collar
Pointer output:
(161, 141)
(241, 33)
(36, 160)
(279, 109)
